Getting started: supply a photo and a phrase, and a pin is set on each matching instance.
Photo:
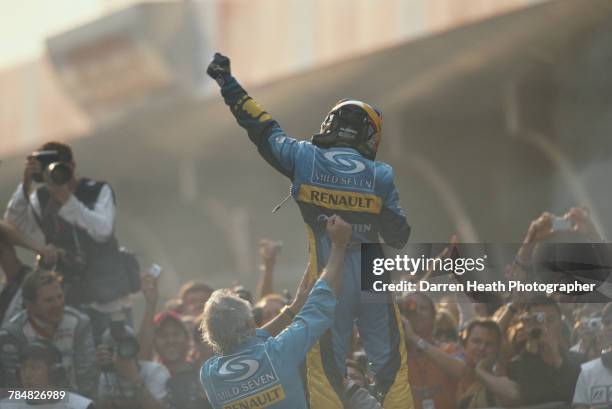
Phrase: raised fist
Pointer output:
(339, 231)
(218, 67)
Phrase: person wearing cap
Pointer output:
(167, 336)
(172, 340)
(41, 371)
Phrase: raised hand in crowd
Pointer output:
(543, 226)
(268, 252)
(452, 366)
(588, 335)
(339, 233)
(582, 223)
(280, 322)
(149, 288)
(538, 230)
(32, 167)
(14, 237)
(447, 252)
(518, 270)
(49, 255)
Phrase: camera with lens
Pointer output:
(120, 339)
(59, 172)
(535, 321)
(594, 324)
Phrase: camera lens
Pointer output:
(535, 333)
(127, 348)
(60, 173)
(595, 325)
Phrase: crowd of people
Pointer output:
(67, 322)
(519, 351)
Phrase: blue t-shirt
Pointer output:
(265, 370)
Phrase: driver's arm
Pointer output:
(273, 144)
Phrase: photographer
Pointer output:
(546, 371)
(586, 334)
(357, 388)
(172, 341)
(41, 370)
(566, 249)
(595, 380)
(124, 381)
(76, 215)
(47, 318)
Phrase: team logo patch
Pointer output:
(344, 162)
(343, 168)
(246, 382)
(238, 369)
(340, 199)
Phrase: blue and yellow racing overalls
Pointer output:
(339, 181)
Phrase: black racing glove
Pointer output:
(219, 67)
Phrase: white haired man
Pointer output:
(254, 368)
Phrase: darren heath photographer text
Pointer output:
(473, 286)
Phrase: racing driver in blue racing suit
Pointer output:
(336, 173)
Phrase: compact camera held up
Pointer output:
(535, 323)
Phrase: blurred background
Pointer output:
(494, 111)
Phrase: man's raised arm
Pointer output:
(260, 126)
